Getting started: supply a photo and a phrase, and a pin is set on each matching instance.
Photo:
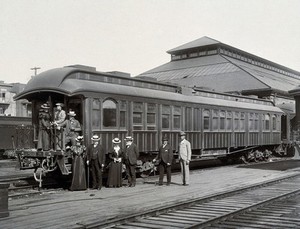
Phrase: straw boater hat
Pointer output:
(128, 138)
(116, 140)
(45, 106)
(95, 137)
(72, 113)
(79, 138)
(59, 104)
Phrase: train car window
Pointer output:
(229, 121)
(236, 122)
(215, 120)
(274, 122)
(196, 117)
(242, 122)
(123, 110)
(151, 116)
(166, 112)
(278, 122)
(267, 121)
(109, 113)
(256, 121)
(177, 117)
(222, 120)
(188, 118)
(251, 122)
(96, 114)
(206, 116)
(137, 117)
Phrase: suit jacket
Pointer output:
(185, 152)
(131, 154)
(60, 116)
(165, 154)
(100, 154)
(71, 126)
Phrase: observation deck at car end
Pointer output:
(66, 209)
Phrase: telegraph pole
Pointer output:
(35, 70)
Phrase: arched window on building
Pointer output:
(109, 113)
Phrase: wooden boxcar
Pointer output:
(217, 124)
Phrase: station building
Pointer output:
(206, 63)
(9, 107)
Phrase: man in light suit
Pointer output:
(185, 154)
(131, 154)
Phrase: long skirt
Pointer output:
(79, 177)
(115, 175)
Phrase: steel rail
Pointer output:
(184, 204)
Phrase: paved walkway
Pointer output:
(65, 209)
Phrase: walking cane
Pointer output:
(88, 175)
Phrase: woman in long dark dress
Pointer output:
(115, 167)
(79, 174)
(44, 128)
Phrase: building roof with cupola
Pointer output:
(208, 63)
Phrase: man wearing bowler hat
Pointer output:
(165, 158)
(131, 154)
(185, 154)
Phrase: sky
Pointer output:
(133, 35)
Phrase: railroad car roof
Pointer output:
(52, 80)
(71, 86)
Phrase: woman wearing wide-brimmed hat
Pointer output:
(78, 168)
(44, 128)
(115, 167)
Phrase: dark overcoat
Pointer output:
(131, 154)
(101, 153)
(165, 154)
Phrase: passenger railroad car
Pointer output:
(114, 105)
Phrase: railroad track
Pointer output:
(257, 206)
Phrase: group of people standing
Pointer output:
(96, 157)
(165, 158)
(58, 131)
(95, 160)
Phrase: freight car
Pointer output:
(10, 128)
(111, 105)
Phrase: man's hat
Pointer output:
(95, 138)
(71, 113)
(182, 133)
(116, 140)
(79, 138)
(45, 106)
(59, 104)
(128, 138)
(165, 138)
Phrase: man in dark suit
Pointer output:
(165, 157)
(131, 154)
(96, 158)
